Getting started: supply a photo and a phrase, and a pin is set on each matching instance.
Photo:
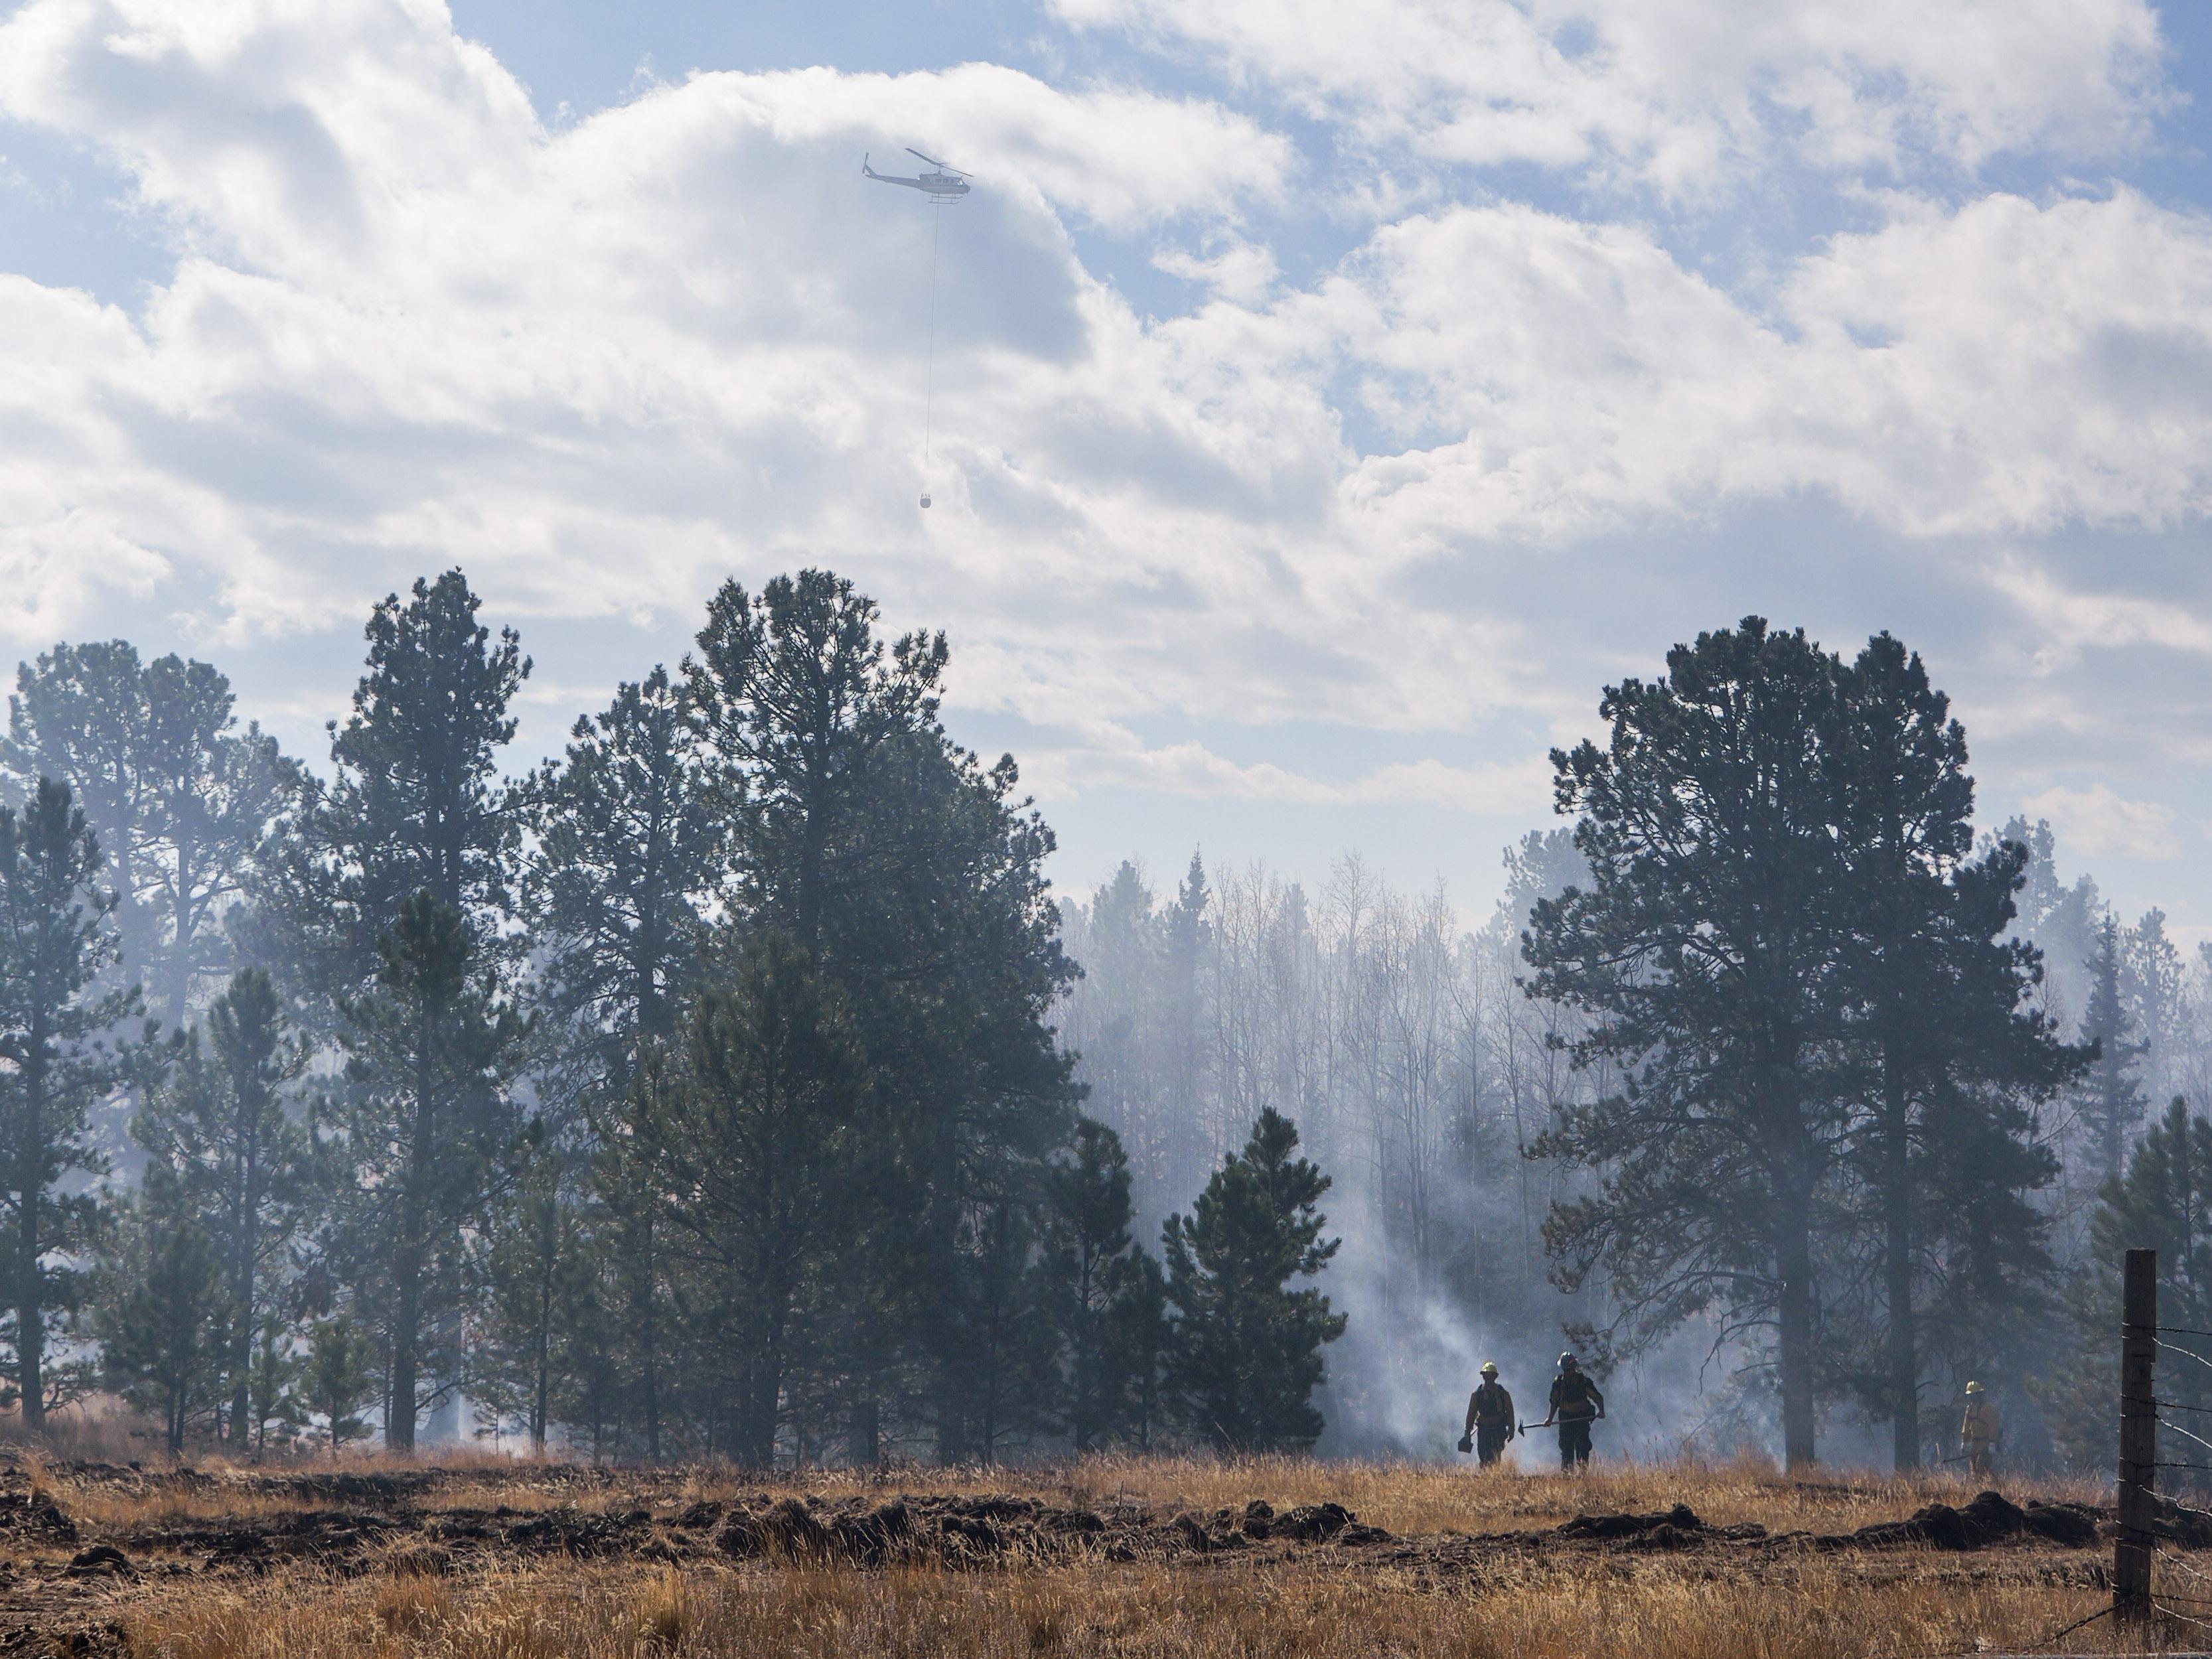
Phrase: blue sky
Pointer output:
(1329, 398)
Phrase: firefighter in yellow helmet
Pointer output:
(1489, 1418)
(1980, 1432)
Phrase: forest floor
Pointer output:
(1159, 1557)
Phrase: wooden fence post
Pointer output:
(2138, 1473)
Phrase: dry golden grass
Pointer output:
(1465, 1602)
(1140, 1612)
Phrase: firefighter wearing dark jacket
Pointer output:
(1576, 1404)
(1489, 1418)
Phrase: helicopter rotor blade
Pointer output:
(933, 161)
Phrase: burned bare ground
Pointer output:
(80, 1543)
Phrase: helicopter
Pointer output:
(945, 184)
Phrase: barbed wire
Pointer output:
(2178, 1330)
(2174, 1612)
(2187, 1353)
(2176, 1428)
(2193, 1571)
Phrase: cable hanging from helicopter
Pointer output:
(944, 185)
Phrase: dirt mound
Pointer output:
(1681, 1528)
(967, 1531)
(1991, 1518)
(102, 1560)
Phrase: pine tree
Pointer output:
(273, 1379)
(1957, 1056)
(2155, 990)
(1704, 953)
(803, 704)
(430, 1126)
(912, 877)
(1089, 1276)
(627, 850)
(744, 1131)
(2112, 1103)
(56, 939)
(337, 1382)
(165, 1344)
(1247, 1348)
(218, 1122)
(1143, 1337)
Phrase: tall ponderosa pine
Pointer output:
(385, 902)
(912, 877)
(430, 1126)
(220, 1125)
(1956, 1057)
(56, 941)
(745, 1130)
(1704, 951)
(1246, 1355)
(626, 854)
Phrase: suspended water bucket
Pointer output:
(925, 500)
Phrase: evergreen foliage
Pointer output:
(747, 1131)
(178, 798)
(2111, 1097)
(2160, 1201)
(1095, 1296)
(165, 1346)
(57, 939)
(1246, 1355)
(429, 1133)
(217, 1121)
(337, 1381)
(1825, 1036)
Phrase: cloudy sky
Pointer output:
(1329, 397)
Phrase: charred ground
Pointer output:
(102, 1557)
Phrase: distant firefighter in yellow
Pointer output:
(1980, 1432)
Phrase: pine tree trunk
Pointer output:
(30, 1315)
(242, 1276)
(1794, 1258)
(1899, 1242)
(407, 1270)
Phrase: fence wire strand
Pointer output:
(2187, 1353)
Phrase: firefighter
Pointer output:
(1489, 1418)
(1576, 1404)
(1980, 1432)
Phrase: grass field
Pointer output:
(1120, 1556)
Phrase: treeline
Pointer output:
(694, 1094)
(1937, 1144)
